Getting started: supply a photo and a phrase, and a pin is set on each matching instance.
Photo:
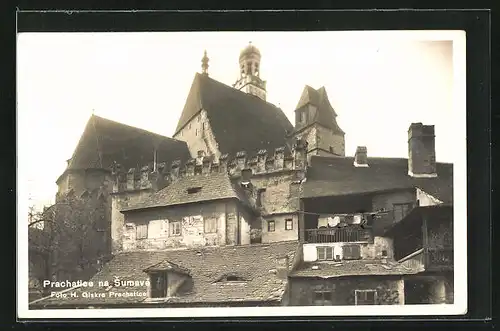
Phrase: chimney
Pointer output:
(421, 151)
(223, 159)
(261, 160)
(361, 157)
(279, 155)
(131, 175)
(190, 165)
(299, 153)
(206, 165)
(241, 158)
(199, 159)
(282, 267)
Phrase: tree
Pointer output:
(75, 237)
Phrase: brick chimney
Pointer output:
(282, 267)
(421, 151)
(361, 157)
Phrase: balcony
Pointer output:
(430, 259)
(333, 235)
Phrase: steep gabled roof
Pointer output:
(334, 176)
(104, 141)
(256, 264)
(209, 187)
(239, 121)
(325, 114)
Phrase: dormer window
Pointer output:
(193, 190)
(159, 284)
(231, 278)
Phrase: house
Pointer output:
(217, 276)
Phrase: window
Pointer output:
(325, 253)
(302, 116)
(210, 225)
(351, 252)
(196, 132)
(203, 126)
(365, 297)
(141, 231)
(288, 224)
(175, 228)
(331, 149)
(192, 190)
(270, 226)
(158, 285)
(157, 229)
(401, 210)
(322, 298)
(384, 253)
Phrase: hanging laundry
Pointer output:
(334, 221)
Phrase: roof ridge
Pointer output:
(249, 96)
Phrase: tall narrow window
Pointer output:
(365, 297)
(196, 132)
(210, 225)
(141, 231)
(175, 228)
(289, 224)
(270, 226)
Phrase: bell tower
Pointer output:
(249, 80)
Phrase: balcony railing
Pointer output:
(332, 235)
(439, 257)
(429, 258)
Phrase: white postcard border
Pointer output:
(459, 306)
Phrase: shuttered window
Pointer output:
(351, 252)
(141, 231)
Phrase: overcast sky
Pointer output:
(378, 83)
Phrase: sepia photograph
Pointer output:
(184, 174)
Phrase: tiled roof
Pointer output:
(331, 176)
(104, 141)
(239, 121)
(256, 264)
(212, 186)
(352, 268)
(325, 114)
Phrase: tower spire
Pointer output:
(204, 63)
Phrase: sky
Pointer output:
(378, 83)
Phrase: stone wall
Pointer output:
(386, 201)
(280, 233)
(368, 250)
(389, 289)
(198, 135)
(232, 226)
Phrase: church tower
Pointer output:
(249, 80)
(316, 122)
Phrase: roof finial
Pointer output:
(204, 63)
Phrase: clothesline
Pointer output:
(344, 214)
